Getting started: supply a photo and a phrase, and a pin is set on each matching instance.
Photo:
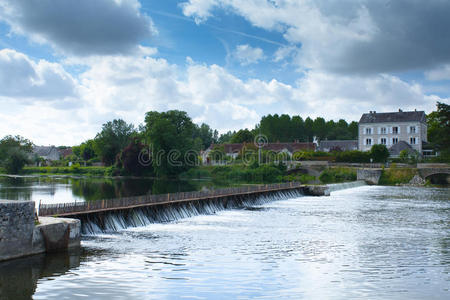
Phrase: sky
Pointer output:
(67, 67)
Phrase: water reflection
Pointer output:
(19, 277)
(66, 189)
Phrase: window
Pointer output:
(412, 141)
(383, 141)
(395, 130)
(394, 141)
(368, 141)
(412, 129)
(368, 130)
(383, 130)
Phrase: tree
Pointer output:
(86, 150)
(112, 139)
(15, 153)
(243, 135)
(206, 135)
(130, 158)
(439, 128)
(169, 135)
(226, 137)
(379, 153)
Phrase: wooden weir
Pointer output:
(88, 207)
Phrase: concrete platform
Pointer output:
(20, 236)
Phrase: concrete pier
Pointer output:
(21, 236)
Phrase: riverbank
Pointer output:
(21, 235)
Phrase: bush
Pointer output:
(354, 156)
(335, 175)
(394, 176)
(379, 153)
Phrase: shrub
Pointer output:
(335, 175)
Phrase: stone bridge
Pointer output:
(426, 170)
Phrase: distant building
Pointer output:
(392, 128)
(65, 152)
(49, 153)
(337, 145)
(233, 150)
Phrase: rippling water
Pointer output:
(361, 243)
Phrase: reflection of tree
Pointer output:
(172, 186)
(15, 188)
(18, 278)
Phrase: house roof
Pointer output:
(400, 146)
(66, 152)
(343, 145)
(277, 147)
(44, 150)
(400, 116)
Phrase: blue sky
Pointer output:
(67, 67)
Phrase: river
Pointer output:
(369, 242)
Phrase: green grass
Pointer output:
(337, 175)
(73, 170)
(393, 176)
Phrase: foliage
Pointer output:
(283, 128)
(74, 169)
(335, 175)
(395, 175)
(439, 128)
(128, 159)
(243, 136)
(353, 156)
(302, 178)
(15, 153)
(226, 137)
(206, 135)
(85, 151)
(115, 136)
(170, 135)
(379, 153)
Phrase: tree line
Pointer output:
(121, 145)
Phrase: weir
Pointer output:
(116, 220)
(116, 214)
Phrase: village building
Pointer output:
(391, 128)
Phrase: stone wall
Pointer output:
(371, 176)
(16, 228)
(19, 236)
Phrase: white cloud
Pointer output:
(349, 36)
(247, 55)
(21, 77)
(127, 87)
(82, 27)
(440, 73)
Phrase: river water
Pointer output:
(369, 242)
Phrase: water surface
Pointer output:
(369, 242)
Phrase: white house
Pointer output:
(391, 128)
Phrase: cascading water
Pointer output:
(115, 221)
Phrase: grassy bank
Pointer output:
(73, 170)
(337, 175)
(393, 176)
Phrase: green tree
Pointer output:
(206, 135)
(439, 128)
(115, 136)
(226, 137)
(379, 153)
(243, 135)
(15, 153)
(170, 136)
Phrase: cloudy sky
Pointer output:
(67, 67)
